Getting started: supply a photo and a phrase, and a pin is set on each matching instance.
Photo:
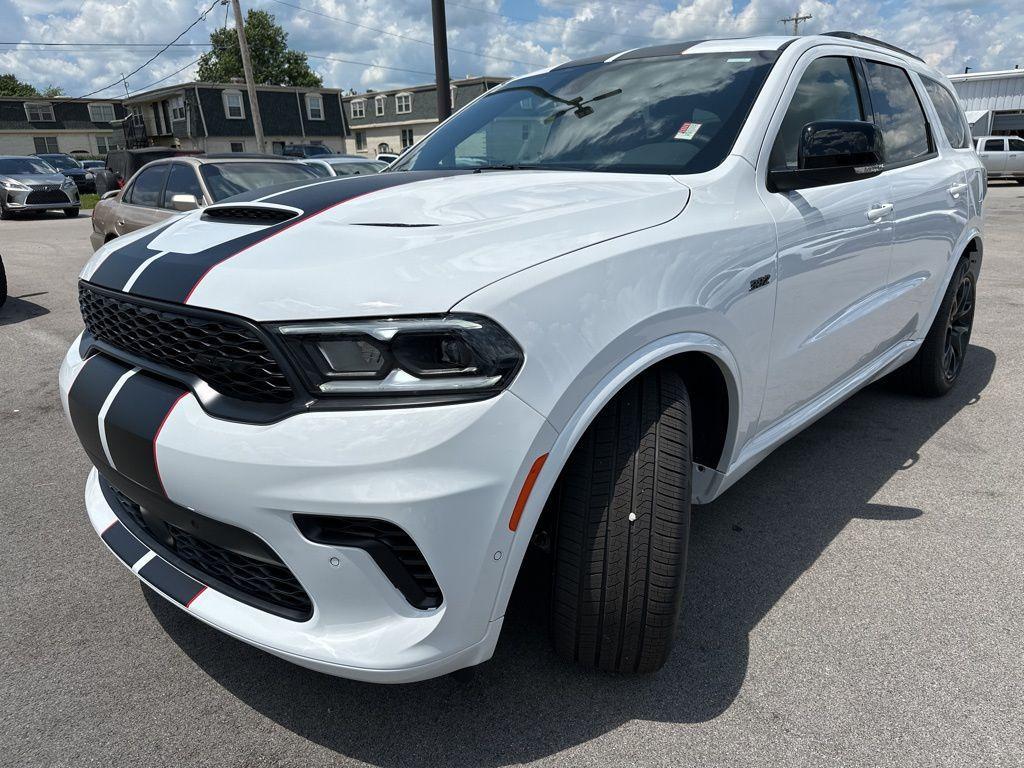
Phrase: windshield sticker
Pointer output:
(687, 131)
(738, 61)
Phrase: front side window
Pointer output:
(827, 91)
(39, 113)
(952, 119)
(1016, 145)
(314, 106)
(45, 144)
(672, 114)
(101, 113)
(358, 108)
(182, 181)
(403, 103)
(994, 145)
(148, 186)
(232, 178)
(233, 108)
(898, 112)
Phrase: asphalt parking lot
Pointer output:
(857, 600)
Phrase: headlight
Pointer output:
(13, 186)
(457, 356)
(68, 182)
(88, 176)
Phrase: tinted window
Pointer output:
(182, 181)
(24, 165)
(949, 113)
(61, 161)
(146, 189)
(827, 91)
(227, 179)
(671, 114)
(897, 112)
(1016, 145)
(993, 145)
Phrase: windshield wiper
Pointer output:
(577, 105)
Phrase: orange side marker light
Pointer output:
(524, 494)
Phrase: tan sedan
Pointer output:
(165, 188)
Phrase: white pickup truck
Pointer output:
(1003, 156)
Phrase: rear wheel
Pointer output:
(938, 363)
(623, 505)
(71, 212)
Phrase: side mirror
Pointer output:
(832, 152)
(110, 194)
(184, 202)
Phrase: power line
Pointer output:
(796, 18)
(153, 58)
(112, 45)
(368, 64)
(401, 36)
(147, 86)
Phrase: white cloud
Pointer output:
(949, 34)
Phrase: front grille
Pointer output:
(271, 584)
(46, 197)
(226, 354)
(394, 551)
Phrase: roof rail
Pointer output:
(872, 41)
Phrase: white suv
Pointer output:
(330, 420)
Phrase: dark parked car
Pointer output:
(84, 179)
(93, 165)
(307, 150)
(122, 164)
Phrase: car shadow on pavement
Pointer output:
(747, 549)
(16, 310)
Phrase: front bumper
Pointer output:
(448, 476)
(40, 199)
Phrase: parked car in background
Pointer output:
(387, 157)
(1003, 156)
(164, 188)
(29, 183)
(84, 179)
(122, 164)
(93, 165)
(344, 165)
(307, 150)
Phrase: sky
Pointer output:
(376, 44)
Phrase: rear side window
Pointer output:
(949, 113)
(993, 145)
(146, 189)
(182, 181)
(898, 112)
(1016, 145)
(827, 91)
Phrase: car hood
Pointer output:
(35, 179)
(393, 243)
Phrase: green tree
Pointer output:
(12, 86)
(272, 62)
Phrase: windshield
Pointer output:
(227, 179)
(62, 161)
(24, 165)
(677, 114)
(312, 150)
(356, 168)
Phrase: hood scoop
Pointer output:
(250, 213)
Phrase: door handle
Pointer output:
(957, 189)
(879, 211)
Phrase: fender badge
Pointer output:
(760, 282)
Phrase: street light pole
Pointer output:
(250, 85)
(444, 99)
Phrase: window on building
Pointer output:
(358, 108)
(233, 107)
(451, 93)
(104, 144)
(403, 103)
(314, 106)
(238, 146)
(406, 138)
(827, 91)
(378, 105)
(45, 144)
(101, 113)
(384, 147)
(360, 139)
(178, 108)
(949, 113)
(39, 113)
(897, 112)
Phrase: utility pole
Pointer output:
(444, 99)
(796, 18)
(125, 81)
(250, 85)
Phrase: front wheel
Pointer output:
(3, 284)
(940, 360)
(71, 212)
(623, 506)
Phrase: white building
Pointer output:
(993, 101)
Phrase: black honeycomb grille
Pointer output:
(224, 353)
(271, 584)
(45, 197)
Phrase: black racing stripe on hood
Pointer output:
(174, 277)
(122, 263)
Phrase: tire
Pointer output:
(618, 584)
(3, 284)
(1020, 181)
(5, 213)
(931, 373)
(71, 213)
